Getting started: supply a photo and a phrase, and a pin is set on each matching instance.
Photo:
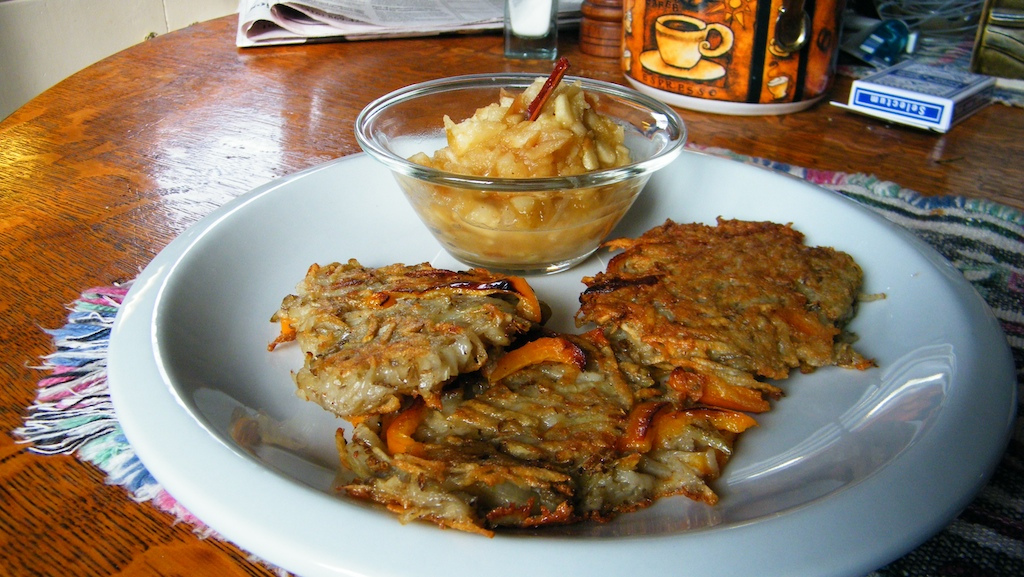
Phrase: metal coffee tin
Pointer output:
(732, 56)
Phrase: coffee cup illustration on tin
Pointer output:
(778, 87)
(684, 44)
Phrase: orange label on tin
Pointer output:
(728, 49)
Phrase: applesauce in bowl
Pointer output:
(501, 191)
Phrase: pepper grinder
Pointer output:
(601, 28)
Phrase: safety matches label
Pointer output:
(920, 95)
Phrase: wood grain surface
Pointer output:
(100, 172)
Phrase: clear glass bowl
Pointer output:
(517, 225)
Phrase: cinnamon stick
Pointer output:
(533, 110)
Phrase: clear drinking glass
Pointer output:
(531, 29)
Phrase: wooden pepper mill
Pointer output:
(601, 28)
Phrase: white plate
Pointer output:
(848, 472)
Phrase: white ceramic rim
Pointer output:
(723, 106)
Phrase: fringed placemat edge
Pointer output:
(73, 414)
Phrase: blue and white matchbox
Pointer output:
(920, 95)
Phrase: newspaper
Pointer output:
(275, 22)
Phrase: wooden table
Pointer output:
(102, 171)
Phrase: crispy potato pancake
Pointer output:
(373, 336)
(729, 303)
(466, 413)
(558, 440)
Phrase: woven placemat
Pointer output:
(73, 414)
